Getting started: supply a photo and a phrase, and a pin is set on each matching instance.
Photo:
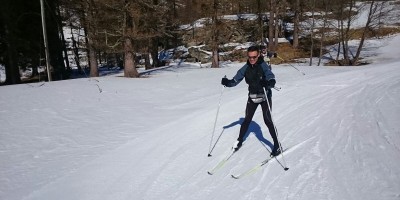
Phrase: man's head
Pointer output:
(252, 54)
(263, 49)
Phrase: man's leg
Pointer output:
(270, 102)
(268, 122)
(250, 109)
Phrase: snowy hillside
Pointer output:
(116, 138)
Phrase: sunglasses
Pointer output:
(253, 57)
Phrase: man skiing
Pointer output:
(257, 75)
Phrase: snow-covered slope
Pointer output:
(149, 138)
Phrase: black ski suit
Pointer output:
(254, 74)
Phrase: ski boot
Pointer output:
(276, 151)
(237, 145)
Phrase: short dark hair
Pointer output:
(253, 48)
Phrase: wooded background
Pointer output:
(122, 29)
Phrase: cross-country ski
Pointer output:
(221, 163)
(258, 167)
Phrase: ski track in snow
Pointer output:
(144, 139)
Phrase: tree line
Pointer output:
(124, 28)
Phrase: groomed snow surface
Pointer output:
(115, 138)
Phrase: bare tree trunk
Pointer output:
(271, 26)
(90, 24)
(338, 52)
(129, 64)
(11, 67)
(346, 38)
(296, 25)
(321, 44)
(276, 21)
(372, 10)
(260, 21)
(76, 52)
(154, 52)
(340, 33)
(147, 64)
(276, 29)
(94, 72)
(64, 46)
(7, 28)
(312, 32)
(215, 56)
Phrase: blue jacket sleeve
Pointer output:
(238, 77)
(267, 71)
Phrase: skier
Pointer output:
(266, 55)
(263, 51)
(257, 75)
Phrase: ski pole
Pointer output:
(215, 123)
(292, 65)
(276, 131)
(215, 144)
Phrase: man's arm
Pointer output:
(236, 79)
(267, 71)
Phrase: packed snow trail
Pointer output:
(148, 138)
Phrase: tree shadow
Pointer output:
(253, 128)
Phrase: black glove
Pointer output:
(225, 82)
(271, 83)
(268, 83)
(272, 54)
